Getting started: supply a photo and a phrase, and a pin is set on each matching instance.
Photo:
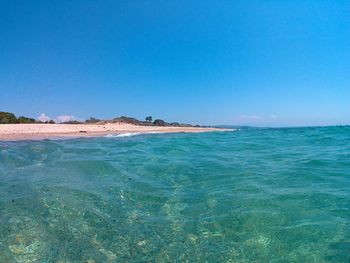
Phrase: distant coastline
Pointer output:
(10, 118)
(23, 128)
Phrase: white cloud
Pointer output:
(64, 118)
(273, 116)
(43, 117)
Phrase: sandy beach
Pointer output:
(47, 131)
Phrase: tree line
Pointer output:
(10, 118)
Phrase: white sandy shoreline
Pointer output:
(10, 132)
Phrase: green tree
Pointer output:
(23, 119)
(7, 118)
(149, 118)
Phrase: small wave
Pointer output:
(128, 134)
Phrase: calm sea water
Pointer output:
(254, 195)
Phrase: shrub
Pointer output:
(159, 122)
(23, 119)
(7, 118)
(175, 124)
(129, 120)
(71, 122)
(92, 120)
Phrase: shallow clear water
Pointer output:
(255, 195)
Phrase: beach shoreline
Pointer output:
(15, 132)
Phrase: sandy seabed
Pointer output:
(49, 131)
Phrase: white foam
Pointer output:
(128, 134)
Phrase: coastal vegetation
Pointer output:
(23, 119)
(10, 118)
(7, 118)
(148, 122)
(92, 120)
(159, 122)
(71, 122)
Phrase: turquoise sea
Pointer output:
(253, 195)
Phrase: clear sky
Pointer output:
(267, 63)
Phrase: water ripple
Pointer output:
(256, 195)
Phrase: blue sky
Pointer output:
(266, 63)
